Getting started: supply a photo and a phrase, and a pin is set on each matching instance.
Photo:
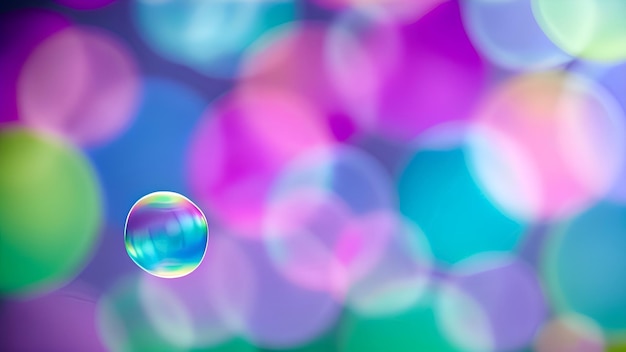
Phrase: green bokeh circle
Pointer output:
(49, 212)
(415, 329)
(590, 29)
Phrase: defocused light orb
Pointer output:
(166, 234)
(80, 83)
(49, 211)
(62, 321)
(588, 29)
(613, 78)
(390, 154)
(395, 79)
(21, 32)
(584, 264)
(324, 342)
(618, 346)
(282, 314)
(397, 10)
(509, 303)
(437, 76)
(292, 58)
(151, 154)
(84, 4)
(353, 176)
(546, 145)
(124, 321)
(316, 241)
(207, 307)
(438, 194)
(414, 329)
(231, 280)
(507, 33)
(400, 275)
(360, 50)
(208, 36)
(463, 320)
(570, 333)
(241, 145)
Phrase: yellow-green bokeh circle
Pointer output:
(590, 29)
(617, 347)
(49, 211)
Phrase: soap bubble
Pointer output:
(166, 234)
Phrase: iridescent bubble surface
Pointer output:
(166, 234)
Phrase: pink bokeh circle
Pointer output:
(239, 148)
(293, 58)
(314, 240)
(403, 79)
(80, 83)
(546, 145)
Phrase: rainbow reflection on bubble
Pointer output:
(166, 234)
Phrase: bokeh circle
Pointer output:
(81, 83)
(49, 211)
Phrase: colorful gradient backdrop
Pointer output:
(377, 175)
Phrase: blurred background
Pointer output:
(377, 175)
